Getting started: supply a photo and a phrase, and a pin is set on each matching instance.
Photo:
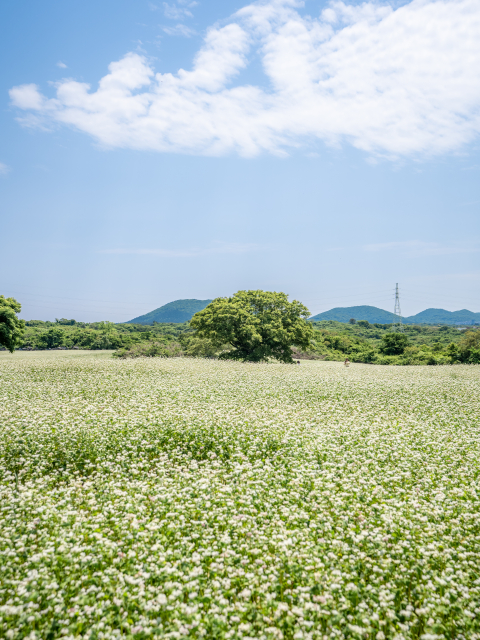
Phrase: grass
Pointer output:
(204, 499)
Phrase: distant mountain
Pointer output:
(364, 312)
(374, 314)
(176, 311)
(440, 316)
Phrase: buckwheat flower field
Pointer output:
(184, 498)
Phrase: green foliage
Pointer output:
(258, 324)
(54, 337)
(474, 356)
(469, 347)
(97, 335)
(197, 347)
(452, 352)
(150, 350)
(66, 322)
(11, 327)
(363, 323)
(393, 344)
(360, 342)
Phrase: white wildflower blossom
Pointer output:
(192, 498)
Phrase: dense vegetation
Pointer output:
(360, 342)
(365, 342)
(11, 327)
(70, 334)
(187, 498)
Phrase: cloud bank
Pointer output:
(395, 82)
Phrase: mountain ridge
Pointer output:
(375, 314)
(182, 311)
(176, 311)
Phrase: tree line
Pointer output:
(249, 326)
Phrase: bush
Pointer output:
(198, 347)
(366, 355)
(150, 350)
(474, 356)
(394, 344)
(385, 359)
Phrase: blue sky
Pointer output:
(152, 151)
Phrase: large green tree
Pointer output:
(258, 324)
(11, 327)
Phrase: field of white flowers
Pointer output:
(190, 498)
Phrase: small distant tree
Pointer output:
(257, 324)
(11, 327)
(352, 321)
(54, 337)
(469, 347)
(452, 352)
(393, 344)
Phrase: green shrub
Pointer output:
(474, 356)
(394, 344)
(150, 350)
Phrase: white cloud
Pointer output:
(62, 65)
(4, 169)
(178, 10)
(221, 248)
(180, 30)
(423, 248)
(396, 82)
(27, 96)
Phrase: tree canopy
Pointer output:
(394, 344)
(11, 327)
(257, 324)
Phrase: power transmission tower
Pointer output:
(397, 324)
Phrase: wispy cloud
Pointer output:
(390, 81)
(62, 65)
(423, 248)
(178, 10)
(4, 169)
(179, 30)
(220, 248)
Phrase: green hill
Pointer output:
(176, 311)
(183, 310)
(364, 312)
(441, 316)
(374, 314)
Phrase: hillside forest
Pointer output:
(359, 342)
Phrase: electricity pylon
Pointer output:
(397, 324)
